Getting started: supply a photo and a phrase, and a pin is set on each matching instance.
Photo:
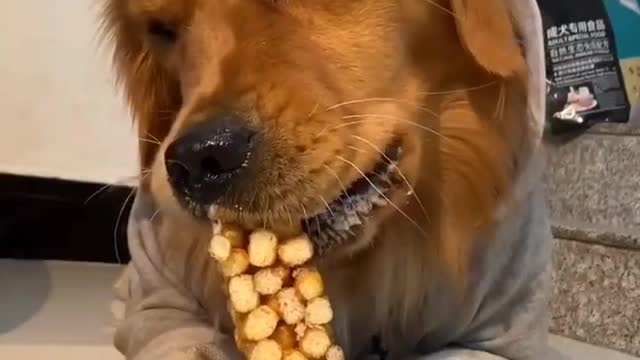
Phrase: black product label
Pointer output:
(585, 81)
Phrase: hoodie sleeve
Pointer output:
(163, 317)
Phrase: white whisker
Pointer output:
(501, 102)
(379, 117)
(408, 102)
(357, 149)
(153, 137)
(401, 101)
(144, 173)
(440, 7)
(314, 110)
(150, 141)
(154, 216)
(304, 212)
(286, 208)
(326, 204)
(266, 206)
(381, 193)
(117, 183)
(335, 174)
(404, 178)
(115, 230)
(454, 91)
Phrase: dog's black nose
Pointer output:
(206, 160)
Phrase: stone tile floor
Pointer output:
(574, 350)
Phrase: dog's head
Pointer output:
(332, 116)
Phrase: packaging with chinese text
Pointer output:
(593, 60)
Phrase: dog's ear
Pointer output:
(149, 89)
(486, 30)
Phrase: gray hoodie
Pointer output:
(171, 313)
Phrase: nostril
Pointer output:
(206, 160)
(223, 160)
(211, 166)
(177, 171)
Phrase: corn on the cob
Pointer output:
(276, 298)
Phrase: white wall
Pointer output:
(60, 114)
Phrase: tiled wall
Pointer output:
(594, 195)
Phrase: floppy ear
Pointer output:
(150, 92)
(486, 30)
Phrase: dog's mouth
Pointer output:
(342, 220)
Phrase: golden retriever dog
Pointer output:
(401, 135)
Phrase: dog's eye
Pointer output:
(162, 31)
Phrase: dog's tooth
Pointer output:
(390, 168)
(342, 235)
(326, 218)
(340, 223)
(353, 219)
(349, 206)
(333, 233)
(373, 194)
(343, 226)
(212, 211)
(334, 209)
(379, 201)
(335, 217)
(388, 179)
(350, 211)
(364, 207)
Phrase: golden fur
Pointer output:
(329, 83)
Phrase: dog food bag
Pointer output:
(276, 298)
(593, 61)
